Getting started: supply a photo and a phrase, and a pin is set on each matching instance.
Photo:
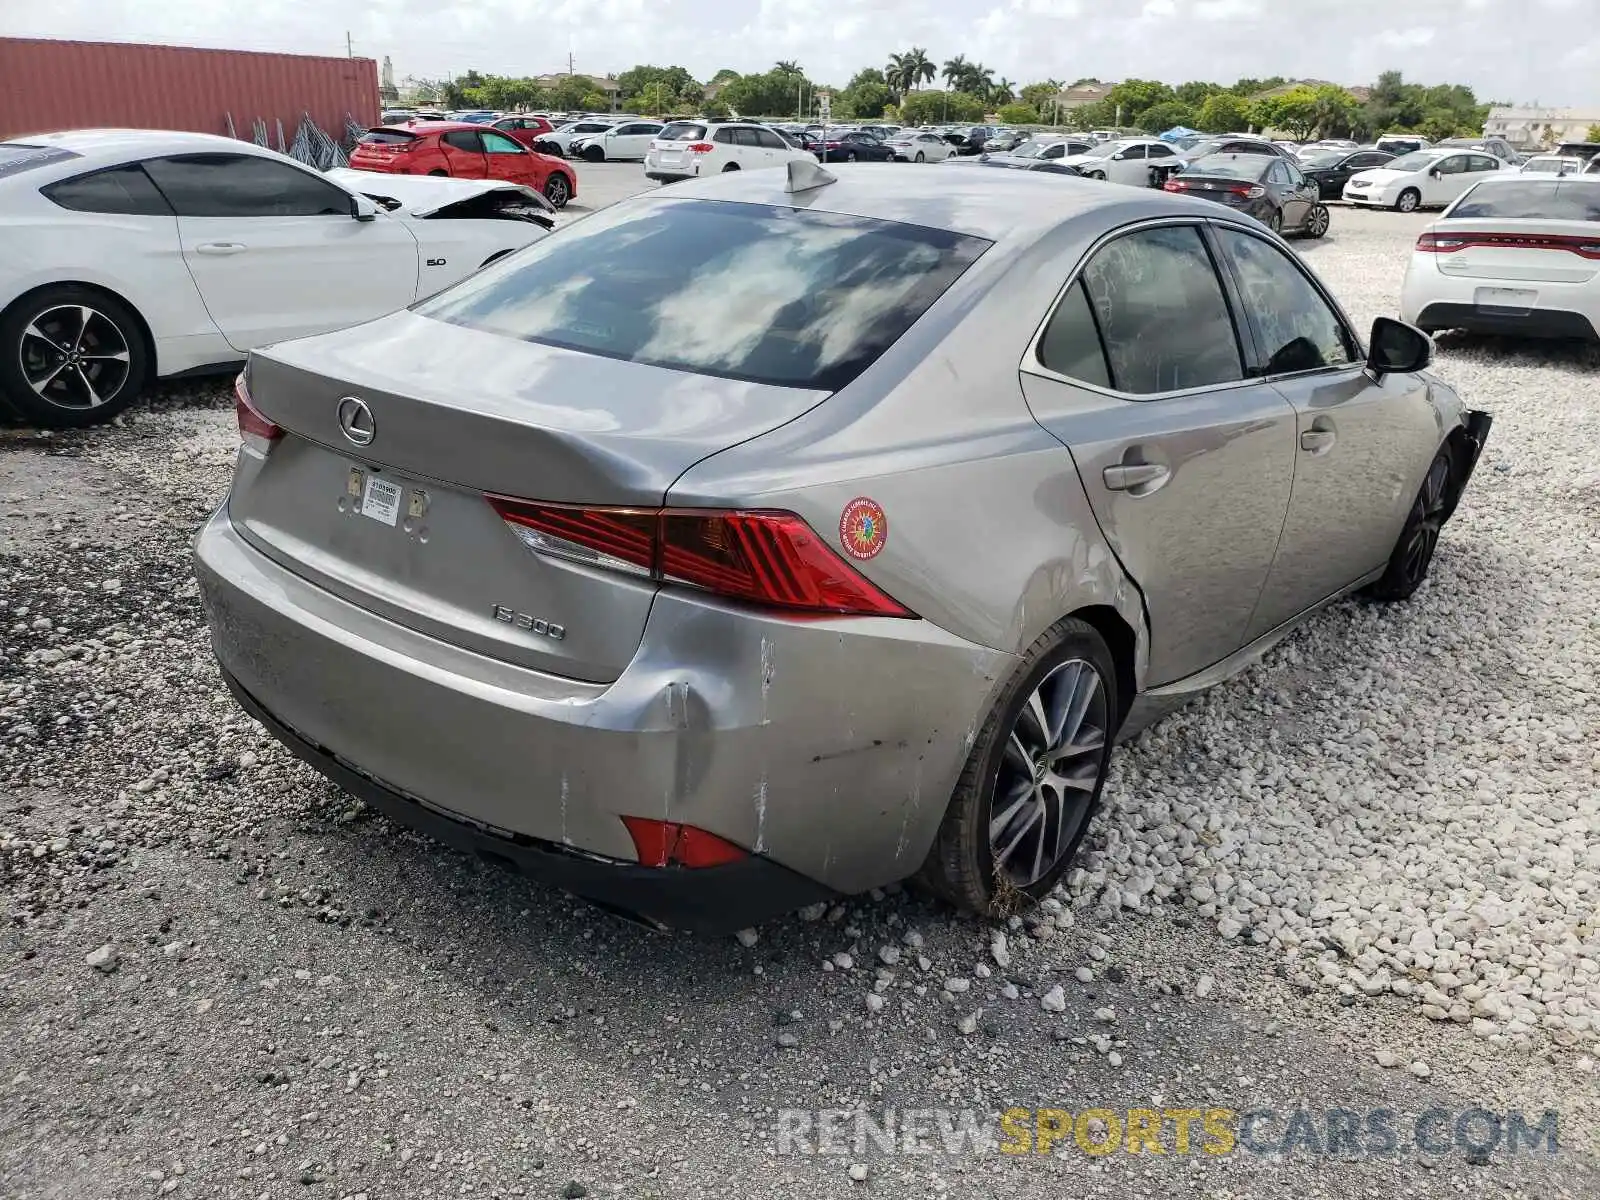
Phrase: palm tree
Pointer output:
(921, 67)
(787, 67)
(979, 81)
(955, 72)
(896, 75)
(1003, 92)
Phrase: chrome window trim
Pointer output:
(1032, 364)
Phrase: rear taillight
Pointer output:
(766, 558)
(1174, 185)
(701, 148)
(1446, 243)
(254, 429)
(1249, 191)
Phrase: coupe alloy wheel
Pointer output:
(74, 356)
(1049, 768)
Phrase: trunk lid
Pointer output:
(400, 525)
(1518, 250)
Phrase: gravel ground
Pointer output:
(1362, 876)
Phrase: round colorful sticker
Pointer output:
(863, 529)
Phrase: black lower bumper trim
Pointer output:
(704, 900)
(1508, 322)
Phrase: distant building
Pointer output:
(604, 84)
(387, 92)
(1533, 126)
(1080, 94)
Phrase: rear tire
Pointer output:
(1408, 200)
(850, 156)
(1275, 221)
(921, 157)
(1413, 552)
(71, 357)
(993, 863)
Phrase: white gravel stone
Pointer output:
(1055, 1000)
(1203, 986)
(858, 1171)
(1421, 1069)
(747, 937)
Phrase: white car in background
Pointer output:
(686, 149)
(1125, 160)
(1517, 255)
(920, 147)
(128, 254)
(627, 142)
(1421, 179)
(559, 140)
(1552, 164)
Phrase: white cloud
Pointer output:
(1024, 40)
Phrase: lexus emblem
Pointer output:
(355, 419)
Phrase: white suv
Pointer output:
(629, 140)
(685, 149)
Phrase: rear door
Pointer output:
(1359, 446)
(770, 147)
(1130, 166)
(1141, 372)
(463, 154)
(276, 251)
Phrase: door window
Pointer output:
(1132, 152)
(463, 139)
(1161, 312)
(767, 140)
(1278, 172)
(499, 143)
(1297, 328)
(243, 185)
(1363, 162)
(746, 137)
(1482, 162)
(125, 190)
(1293, 172)
(1154, 151)
(1053, 151)
(1456, 164)
(725, 136)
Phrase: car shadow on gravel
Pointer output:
(1568, 354)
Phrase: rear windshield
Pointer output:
(683, 131)
(16, 157)
(765, 294)
(379, 137)
(1547, 200)
(1230, 166)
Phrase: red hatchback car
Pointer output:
(523, 129)
(462, 151)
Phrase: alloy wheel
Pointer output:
(1431, 504)
(74, 356)
(1318, 225)
(1049, 768)
(1408, 201)
(555, 190)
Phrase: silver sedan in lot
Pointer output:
(784, 534)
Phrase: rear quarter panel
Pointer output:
(990, 535)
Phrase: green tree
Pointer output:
(1160, 117)
(1002, 91)
(1133, 96)
(909, 71)
(570, 92)
(957, 71)
(1018, 114)
(1294, 112)
(866, 95)
(932, 107)
(1041, 95)
(1195, 94)
(1593, 135)
(1224, 112)
(773, 94)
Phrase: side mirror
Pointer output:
(1396, 348)
(1434, 173)
(362, 208)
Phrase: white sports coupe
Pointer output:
(128, 255)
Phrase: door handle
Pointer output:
(1142, 478)
(220, 248)
(1317, 441)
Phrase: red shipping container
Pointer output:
(48, 85)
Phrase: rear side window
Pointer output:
(1161, 312)
(766, 294)
(725, 136)
(240, 185)
(16, 157)
(1566, 199)
(463, 139)
(683, 131)
(768, 140)
(1071, 343)
(386, 137)
(124, 190)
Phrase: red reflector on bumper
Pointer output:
(669, 844)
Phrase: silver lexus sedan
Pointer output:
(788, 533)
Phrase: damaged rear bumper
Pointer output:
(828, 747)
